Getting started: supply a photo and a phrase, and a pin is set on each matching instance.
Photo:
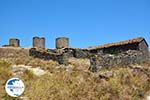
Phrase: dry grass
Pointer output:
(5, 74)
(78, 83)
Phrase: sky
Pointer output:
(85, 22)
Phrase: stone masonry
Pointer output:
(121, 53)
(14, 42)
(108, 55)
(62, 42)
(39, 42)
(49, 54)
(109, 60)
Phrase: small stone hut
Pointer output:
(120, 53)
(138, 44)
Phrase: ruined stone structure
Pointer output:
(121, 53)
(138, 44)
(60, 55)
(108, 55)
(39, 42)
(49, 54)
(109, 60)
(62, 42)
(14, 42)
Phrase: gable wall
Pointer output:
(143, 47)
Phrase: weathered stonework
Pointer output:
(116, 48)
(77, 53)
(61, 58)
(122, 53)
(14, 42)
(143, 47)
(60, 55)
(109, 55)
(39, 42)
(62, 42)
(108, 60)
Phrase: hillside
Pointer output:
(47, 80)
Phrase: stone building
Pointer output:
(62, 42)
(138, 44)
(108, 55)
(14, 42)
(120, 53)
(39, 42)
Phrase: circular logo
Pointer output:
(14, 87)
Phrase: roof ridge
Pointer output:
(130, 41)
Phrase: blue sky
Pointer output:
(85, 22)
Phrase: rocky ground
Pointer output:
(47, 80)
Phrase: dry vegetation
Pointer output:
(75, 82)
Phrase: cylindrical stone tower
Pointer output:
(14, 42)
(62, 42)
(39, 42)
(35, 41)
(42, 42)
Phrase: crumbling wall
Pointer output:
(77, 53)
(42, 54)
(61, 58)
(122, 53)
(108, 60)
(60, 55)
(98, 61)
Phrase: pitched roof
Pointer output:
(131, 41)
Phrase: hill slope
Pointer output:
(75, 81)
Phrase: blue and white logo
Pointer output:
(14, 87)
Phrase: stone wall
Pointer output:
(121, 48)
(44, 54)
(116, 49)
(77, 53)
(108, 60)
(97, 60)
(143, 47)
(62, 56)
(59, 55)
(122, 53)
